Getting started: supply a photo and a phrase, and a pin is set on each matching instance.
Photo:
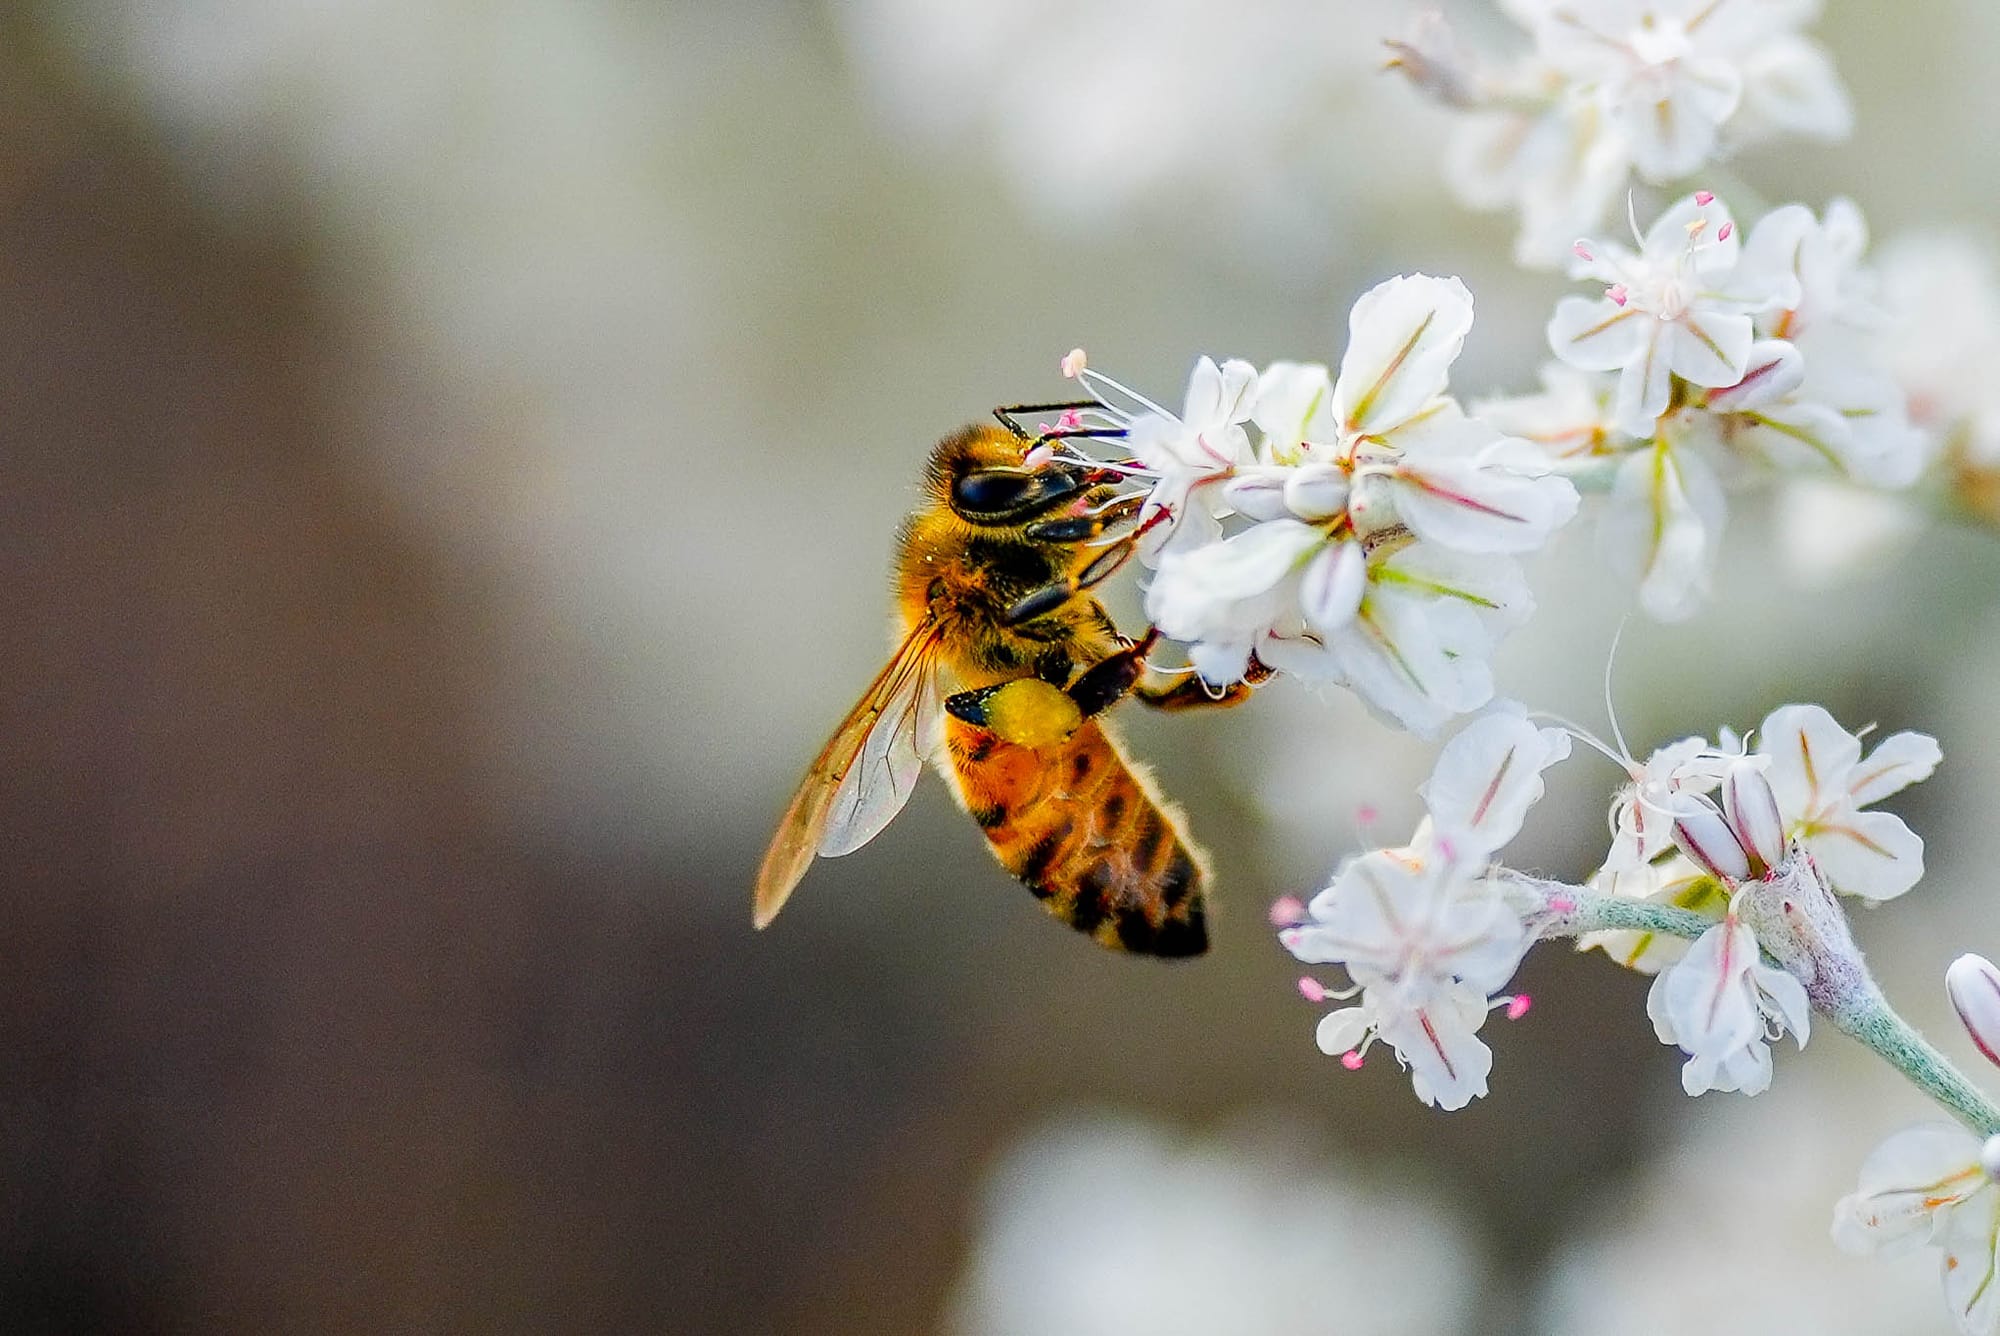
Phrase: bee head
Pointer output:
(989, 477)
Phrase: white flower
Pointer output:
(1418, 650)
(1721, 1004)
(1187, 453)
(1571, 419)
(1487, 777)
(1943, 339)
(1429, 936)
(1823, 258)
(1366, 490)
(1545, 150)
(1438, 1042)
(1660, 529)
(1822, 783)
(1672, 881)
(1678, 307)
(1933, 1184)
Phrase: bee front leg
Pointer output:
(1188, 690)
(1092, 524)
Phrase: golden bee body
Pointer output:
(1004, 663)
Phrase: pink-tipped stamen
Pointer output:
(1704, 198)
(1039, 456)
(1311, 989)
(1073, 363)
(1517, 1006)
(1351, 1059)
(1722, 233)
(1618, 293)
(1367, 814)
(1287, 911)
(1582, 251)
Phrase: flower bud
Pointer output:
(1316, 492)
(1256, 496)
(1703, 834)
(1334, 584)
(1974, 986)
(1752, 812)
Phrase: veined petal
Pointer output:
(1904, 1184)
(1403, 335)
(1448, 1062)
(1294, 404)
(1487, 777)
(1870, 854)
(1709, 348)
(1661, 527)
(1330, 591)
(1811, 758)
(1645, 384)
(1898, 761)
(1478, 505)
(1970, 1237)
(1599, 335)
(1773, 369)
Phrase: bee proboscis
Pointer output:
(1004, 666)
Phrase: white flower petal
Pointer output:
(1331, 589)
(1970, 1237)
(1903, 1183)
(1481, 504)
(1772, 370)
(1660, 529)
(1870, 854)
(1709, 347)
(1487, 777)
(1403, 336)
(1599, 335)
(1341, 1031)
(1294, 404)
(1811, 756)
(1898, 761)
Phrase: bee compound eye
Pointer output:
(992, 491)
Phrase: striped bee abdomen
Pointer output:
(1084, 829)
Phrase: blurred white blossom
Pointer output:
(1104, 1225)
(1933, 1184)
(1617, 88)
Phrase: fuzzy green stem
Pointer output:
(1860, 1011)
(1869, 1018)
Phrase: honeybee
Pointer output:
(1004, 666)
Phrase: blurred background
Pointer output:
(448, 459)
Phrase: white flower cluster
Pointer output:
(1426, 932)
(1373, 523)
(1617, 88)
(1709, 358)
(1429, 933)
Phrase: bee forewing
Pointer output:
(885, 774)
(862, 777)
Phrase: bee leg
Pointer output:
(1083, 528)
(1188, 691)
(1006, 414)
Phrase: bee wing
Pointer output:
(864, 774)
